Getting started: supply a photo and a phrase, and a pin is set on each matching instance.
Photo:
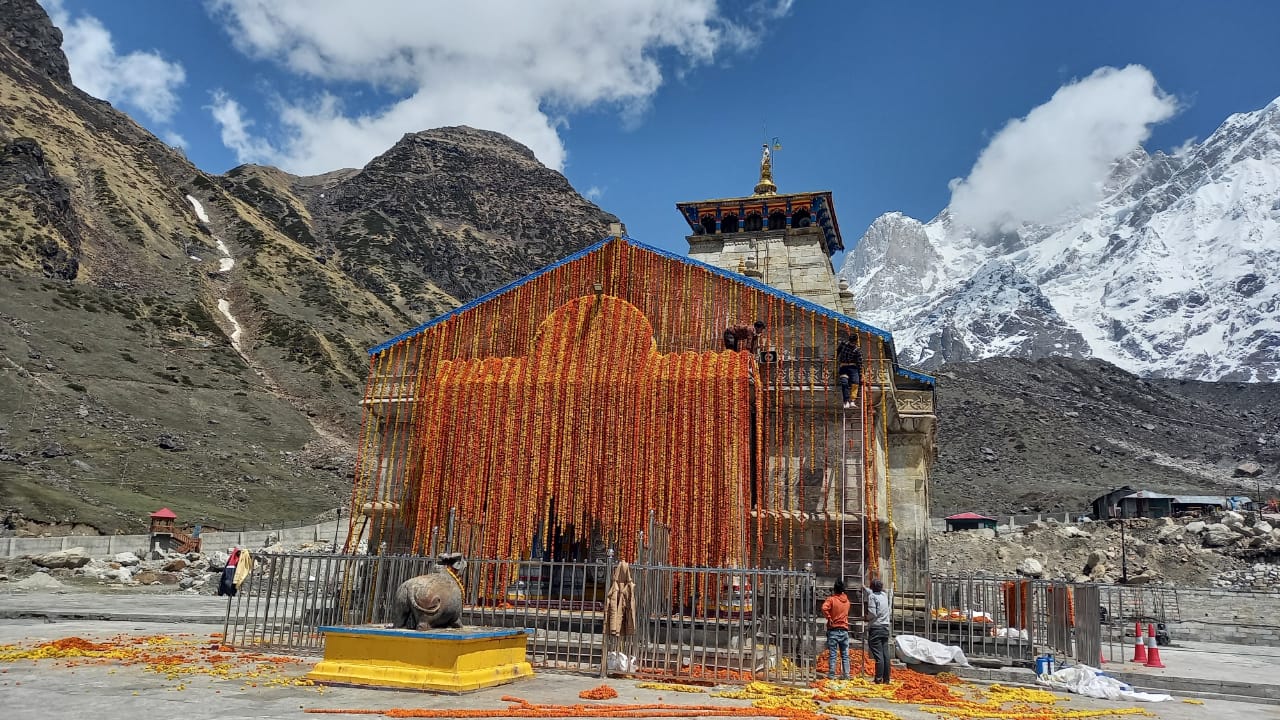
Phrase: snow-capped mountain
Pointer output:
(1174, 273)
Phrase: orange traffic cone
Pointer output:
(1153, 650)
(1139, 649)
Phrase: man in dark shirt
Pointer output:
(743, 337)
(849, 359)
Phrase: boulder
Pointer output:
(1146, 576)
(1248, 469)
(146, 577)
(1231, 518)
(1262, 527)
(71, 558)
(1098, 571)
(1196, 527)
(171, 443)
(127, 559)
(218, 561)
(1031, 568)
(120, 575)
(1219, 535)
(177, 565)
(1096, 558)
(39, 581)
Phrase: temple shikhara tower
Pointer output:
(598, 399)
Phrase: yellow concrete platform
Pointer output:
(448, 660)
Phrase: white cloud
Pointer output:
(173, 139)
(594, 193)
(144, 81)
(516, 67)
(235, 131)
(1056, 159)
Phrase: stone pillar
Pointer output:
(909, 483)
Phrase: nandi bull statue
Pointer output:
(433, 600)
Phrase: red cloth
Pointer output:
(836, 610)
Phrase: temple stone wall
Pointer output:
(792, 261)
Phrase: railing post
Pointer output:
(448, 533)
(604, 635)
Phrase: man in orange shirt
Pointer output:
(836, 610)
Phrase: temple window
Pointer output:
(801, 218)
(708, 224)
(729, 224)
(777, 220)
(754, 222)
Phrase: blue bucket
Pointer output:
(1044, 665)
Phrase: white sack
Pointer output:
(1084, 680)
(622, 663)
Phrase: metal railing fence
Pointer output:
(721, 623)
(1015, 619)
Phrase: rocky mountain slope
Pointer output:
(1024, 436)
(169, 337)
(1172, 274)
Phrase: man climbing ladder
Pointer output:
(849, 360)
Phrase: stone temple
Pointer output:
(595, 400)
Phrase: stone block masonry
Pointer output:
(102, 545)
(1228, 616)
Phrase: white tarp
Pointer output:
(912, 647)
(1087, 681)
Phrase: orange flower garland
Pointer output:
(545, 412)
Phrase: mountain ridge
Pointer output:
(1167, 276)
(150, 356)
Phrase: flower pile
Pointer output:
(174, 657)
(943, 695)
(600, 692)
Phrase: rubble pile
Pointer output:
(195, 573)
(1227, 549)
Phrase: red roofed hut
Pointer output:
(162, 521)
(166, 537)
(970, 521)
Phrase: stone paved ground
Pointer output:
(47, 691)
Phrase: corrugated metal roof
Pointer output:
(1200, 500)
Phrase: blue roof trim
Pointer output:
(907, 373)
(488, 296)
(884, 335)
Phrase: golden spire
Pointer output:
(766, 186)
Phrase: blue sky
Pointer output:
(882, 102)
